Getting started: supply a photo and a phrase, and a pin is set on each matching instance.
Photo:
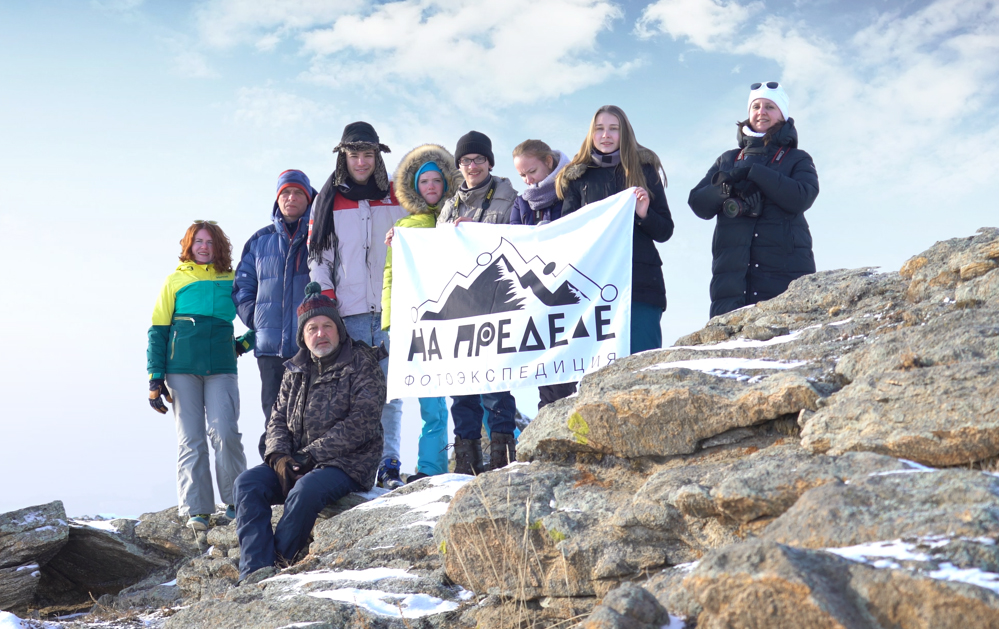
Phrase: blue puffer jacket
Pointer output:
(270, 284)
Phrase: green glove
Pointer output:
(245, 343)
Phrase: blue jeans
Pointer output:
(258, 488)
(433, 437)
(467, 411)
(645, 331)
(367, 327)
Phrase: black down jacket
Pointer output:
(754, 259)
(587, 184)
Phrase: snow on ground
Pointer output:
(10, 621)
(368, 575)
(389, 603)
(727, 367)
(744, 343)
(888, 554)
(98, 524)
(427, 501)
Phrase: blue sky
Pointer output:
(125, 120)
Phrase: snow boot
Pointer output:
(468, 456)
(388, 474)
(502, 450)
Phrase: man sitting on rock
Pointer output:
(323, 441)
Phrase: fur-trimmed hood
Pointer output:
(573, 172)
(405, 188)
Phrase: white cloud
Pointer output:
(885, 106)
(704, 23)
(266, 107)
(116, 6)
(265, 23)
(477, 54)
(190, 63)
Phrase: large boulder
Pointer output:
(29, 539)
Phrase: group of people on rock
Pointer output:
(313, 288)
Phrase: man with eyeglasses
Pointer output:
(482, 198)
(347, 251)
(270, 279)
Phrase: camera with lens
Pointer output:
(737, 206)
(741, 197)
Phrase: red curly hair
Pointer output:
(223, 248)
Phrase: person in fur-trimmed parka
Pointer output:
(610, 161)
(757, 253)
(425, 179)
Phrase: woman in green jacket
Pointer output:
(425, 179)
(191, 360)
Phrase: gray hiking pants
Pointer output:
(206, 407)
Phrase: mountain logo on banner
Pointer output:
(503, 281)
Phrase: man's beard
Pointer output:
(324, 350)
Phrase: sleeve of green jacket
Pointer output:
(159, 331)
(387, 291)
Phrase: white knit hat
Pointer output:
(775, 93)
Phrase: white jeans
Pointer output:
(206, 407)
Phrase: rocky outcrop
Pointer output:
(827, 458)
(29, 539)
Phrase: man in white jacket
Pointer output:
(347, 256)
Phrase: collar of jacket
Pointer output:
(575, 171)
(279, 224)
(787, 135)
(302, 362)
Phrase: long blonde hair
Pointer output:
(630, 160)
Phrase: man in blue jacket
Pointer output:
(271, 278)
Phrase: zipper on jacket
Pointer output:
(173, 344)
(191, 319)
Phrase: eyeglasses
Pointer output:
(771, 84)
(199, 221)
(468, 161)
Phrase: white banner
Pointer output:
(481, 308)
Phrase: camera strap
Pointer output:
(776, 159)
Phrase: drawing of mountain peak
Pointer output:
(490, 292)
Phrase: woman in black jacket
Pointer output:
(759, 193)
(609, 161)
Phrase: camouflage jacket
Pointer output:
(336, 418)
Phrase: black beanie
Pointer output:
(475, 143)
(315, 304)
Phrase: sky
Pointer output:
(122, 121)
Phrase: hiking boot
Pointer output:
(415, 477)
(230, 512)
(198, 522)
(388, 474)
(468, 456)
(502, 450)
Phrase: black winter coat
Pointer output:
(587, 184)
(754, 259)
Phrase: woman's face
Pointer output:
(763, 114)
(431, 187)
(606, 133)
(531, 169)
(203, 249)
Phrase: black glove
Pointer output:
(721, 178)
(245, 342)
(739, 174)
(743, 189)
(304, 461)
(157, 388)
(754, 203)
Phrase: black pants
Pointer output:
(551, 392)
(271, 372)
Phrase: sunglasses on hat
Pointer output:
(771, 84)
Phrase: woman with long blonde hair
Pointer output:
(609, 161)
(191, 360)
